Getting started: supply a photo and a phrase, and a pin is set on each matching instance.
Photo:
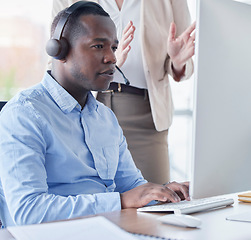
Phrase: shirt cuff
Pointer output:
(108, 202)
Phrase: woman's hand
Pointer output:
(180, 48)
(124, 44)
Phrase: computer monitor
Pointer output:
(221, 159)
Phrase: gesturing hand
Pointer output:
(180, 49)
(124, 44)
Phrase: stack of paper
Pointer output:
(245, 197)
(94, 228)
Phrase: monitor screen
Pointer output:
(221, 158)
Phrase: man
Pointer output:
(62, 153)
(161, 46)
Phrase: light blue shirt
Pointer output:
(58, 161)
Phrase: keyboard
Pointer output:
(187, 207)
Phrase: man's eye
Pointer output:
(99, 46)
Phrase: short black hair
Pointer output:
(73, 28)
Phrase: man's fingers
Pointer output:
(164, 193)
(185, 191)
(182, 188)
(160, 193)
(186, 184)
(172, 196)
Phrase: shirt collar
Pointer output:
(63, 99)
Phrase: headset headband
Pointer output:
(63, 20)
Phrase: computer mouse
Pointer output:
(181, 220)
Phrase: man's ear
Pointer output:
(63, 60)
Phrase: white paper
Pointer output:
(244, 1)
(241, 217)
(94, 228)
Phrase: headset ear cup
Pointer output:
(53, 47)
(57, 49)
(64, 49)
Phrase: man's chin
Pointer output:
(103, 88)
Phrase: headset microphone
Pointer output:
(125, 79)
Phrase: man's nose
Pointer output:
(110, 57)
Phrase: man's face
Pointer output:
(91, 61)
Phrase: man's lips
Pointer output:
(109, 72)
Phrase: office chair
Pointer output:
(2, 103)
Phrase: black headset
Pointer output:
(58, 46)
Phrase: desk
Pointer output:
(214, 224)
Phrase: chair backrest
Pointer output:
(2, 103)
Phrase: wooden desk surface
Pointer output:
(214, 224)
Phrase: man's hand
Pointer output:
(124, 44)
(180, 49)
(184, 195)
(142, 195)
